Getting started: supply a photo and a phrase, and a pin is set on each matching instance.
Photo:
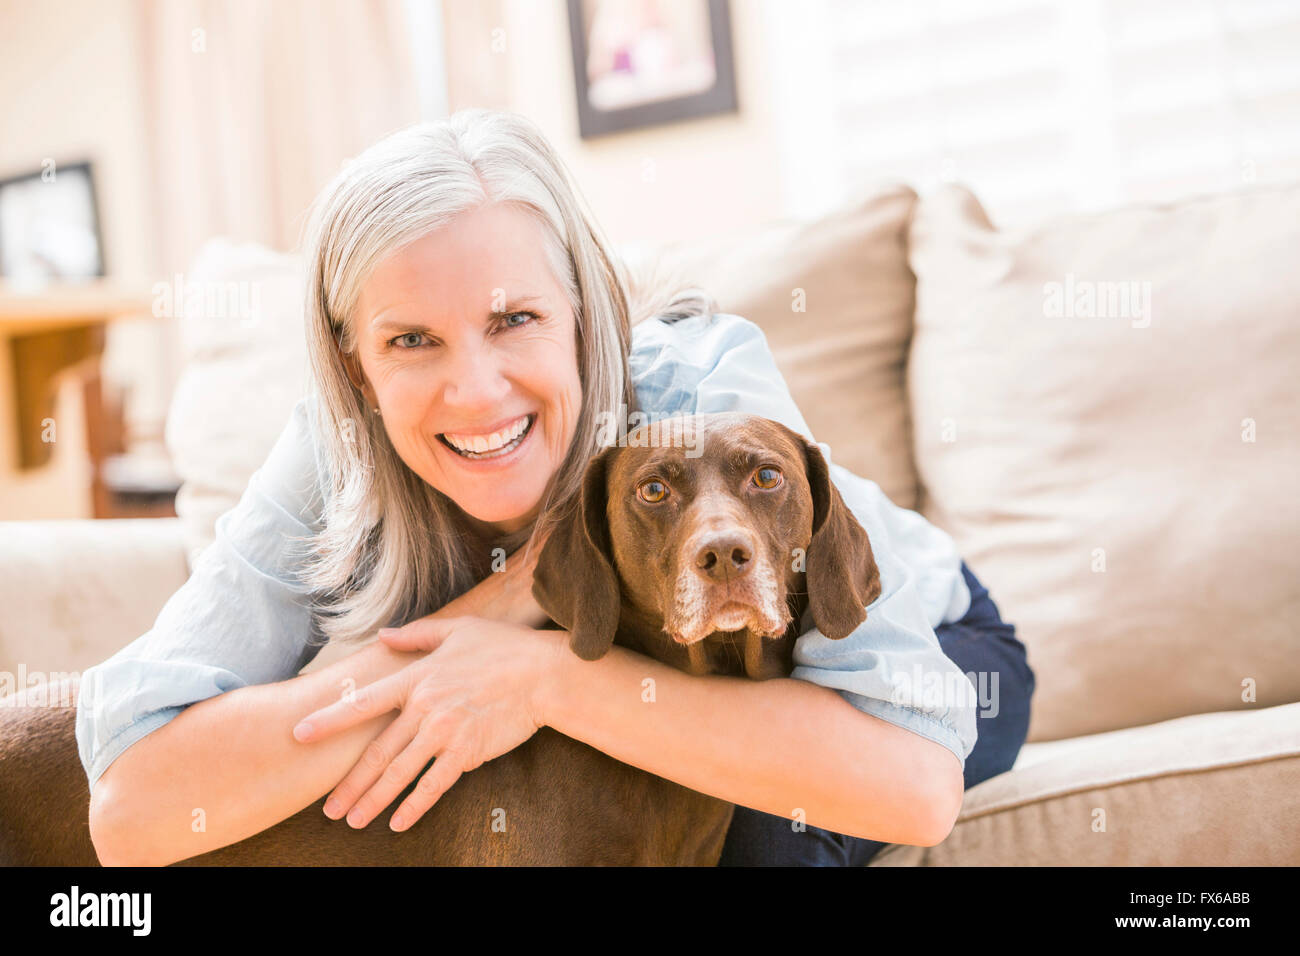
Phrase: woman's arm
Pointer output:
(234, 756)
(779, 746)
(787, 746)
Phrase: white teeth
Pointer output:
(479, 444)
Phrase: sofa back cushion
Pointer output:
(834, 298)
(244, 368)
(1106, 420)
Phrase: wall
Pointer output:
(73, 87)
(70, 87)
(698, 177)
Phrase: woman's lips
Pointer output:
(489, 440)
(491, 454)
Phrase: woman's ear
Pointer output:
(575, 582)
(842, 574)
(352, 368)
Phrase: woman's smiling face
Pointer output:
(468, 347)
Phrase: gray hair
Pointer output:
(392, 547)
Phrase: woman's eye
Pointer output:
(767, 477)
(525, 317)
(408, 340)
(652, 491)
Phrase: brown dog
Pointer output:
(706, 562)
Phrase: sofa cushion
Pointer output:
(75, 592)
(245, 367)
(1118, 462)
(1210, 790)
(834, 297)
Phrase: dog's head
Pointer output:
(707, 524)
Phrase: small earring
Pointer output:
(376, 411)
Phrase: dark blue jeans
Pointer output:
(981, 642)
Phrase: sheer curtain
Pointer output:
(1040, 106)
(249, 107)
(252, 106)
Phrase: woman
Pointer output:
(467, 329)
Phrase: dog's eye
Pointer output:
(767, 477)
(652, 491)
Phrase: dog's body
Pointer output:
(707, 577)
(551, 800)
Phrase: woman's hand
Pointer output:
(473, 697)
(505, 595)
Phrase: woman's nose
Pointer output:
(475, 378)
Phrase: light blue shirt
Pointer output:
(240, 619)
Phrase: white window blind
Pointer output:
(1040, 106)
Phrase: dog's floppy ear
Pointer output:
(575, 582)
(842, 574)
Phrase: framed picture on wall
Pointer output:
(49, 226)
(645, 62)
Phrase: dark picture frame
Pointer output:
(646, 105)
(67, 208)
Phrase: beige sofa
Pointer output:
(1101, 410)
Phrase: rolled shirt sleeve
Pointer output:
(241, 618)
(892, 666)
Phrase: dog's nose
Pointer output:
(724, 557)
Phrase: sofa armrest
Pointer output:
(74, 592)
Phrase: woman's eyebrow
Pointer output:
(386, 320)
(513, 305)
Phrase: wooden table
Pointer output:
(50, 332)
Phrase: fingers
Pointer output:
(424, 634)
(385, 786)
(354, 708)
(530, 551)
(446, 770)
(374, 761)
(531, 613)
